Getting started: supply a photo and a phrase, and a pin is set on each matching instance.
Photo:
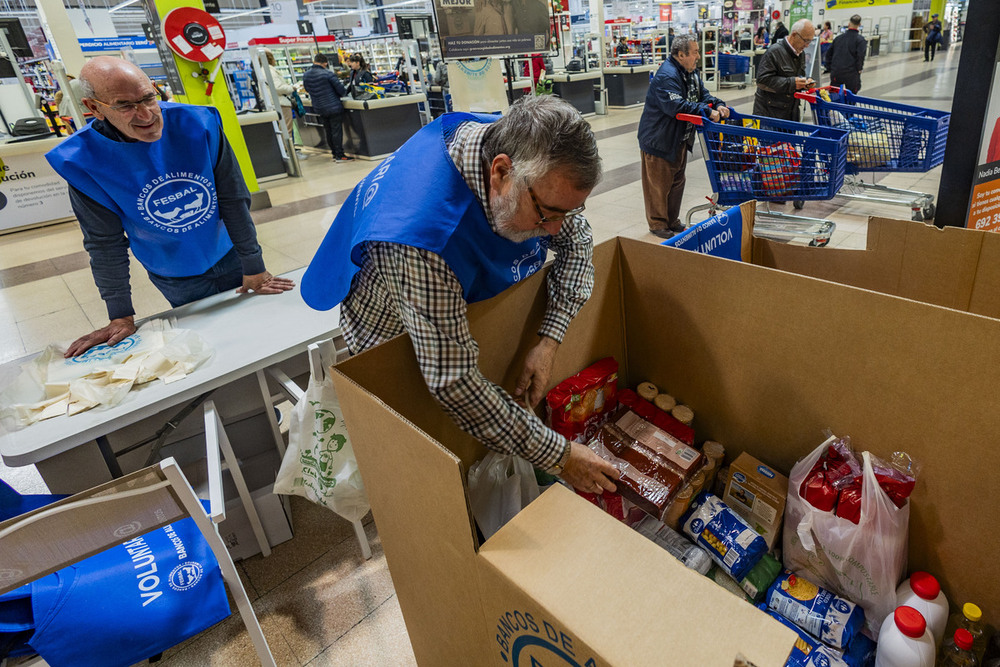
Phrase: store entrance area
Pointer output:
(319, 602)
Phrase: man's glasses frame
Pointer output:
(147, 101)
(561, 217)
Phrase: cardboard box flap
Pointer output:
(418, 495)
(593, 577)
(768, 360)
(904, 258)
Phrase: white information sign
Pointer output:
(31, 192)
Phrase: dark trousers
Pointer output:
(663, 188)
(929, 47)
(850, 81)
(333, 124)
(226, 274)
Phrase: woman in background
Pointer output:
(825, 40)
(359, 73)
(761, 39)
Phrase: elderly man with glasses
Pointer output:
(782, 72)
(161, 179)
(404, 257)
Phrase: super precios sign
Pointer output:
(527, 642)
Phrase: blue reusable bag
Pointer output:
(122, 605)
(720, 236)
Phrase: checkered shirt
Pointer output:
(401, 288)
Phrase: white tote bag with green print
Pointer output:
(319, 463)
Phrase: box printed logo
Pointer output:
(525, 643)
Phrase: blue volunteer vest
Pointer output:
(164, 191)
(417, 197)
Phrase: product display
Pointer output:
(733, 545)
(816, 610)
(578, 405)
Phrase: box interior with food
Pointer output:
(767, 361)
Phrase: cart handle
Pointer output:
(690, 118)
(809, 97)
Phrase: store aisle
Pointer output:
(319, 603)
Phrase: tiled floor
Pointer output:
(319, 603)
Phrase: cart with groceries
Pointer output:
(772, 161)
(884, 137)
(734, 70)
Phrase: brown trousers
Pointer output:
(663, 188)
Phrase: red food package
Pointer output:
(611, 503)
(849, 502)
(578, 405)
(680, 457)
(896, 484)
(646, 480)
(818, 491)
(653, 414)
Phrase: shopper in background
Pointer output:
(846, 57)
(761, 39)
(780, 32)
(64, 103)
(163, 181)
(285, 91)
(933, 36)
(505, 192)
(782, 72)
(325, 90)
(359, 74)
(825, 40)
(664, 142)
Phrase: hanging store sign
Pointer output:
(101, 44)
(666, 13)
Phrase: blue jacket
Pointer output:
(325, 90)
(660, 134)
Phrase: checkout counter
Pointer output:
(262, 142)
(577, 88)
(373, 129)
(627, 84)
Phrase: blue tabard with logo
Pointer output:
(164, 191)
(417, 197)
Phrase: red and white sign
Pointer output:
(666, 13)
(776, 15)
(280, 41)
(194, 34)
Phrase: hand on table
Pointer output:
(535, 374)
(116, 331)
(265, 283)
(588, 472)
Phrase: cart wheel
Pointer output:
(798, 204)
(819, 243)
(929, 212)
(917, 216)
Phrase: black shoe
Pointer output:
(662, 233)
(343, 158)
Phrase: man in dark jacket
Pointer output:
(846, 56)
(664, 141)
(933, 30)
(782, 72)
(325, 90)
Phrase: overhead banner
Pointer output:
(475, 28)
(100, 44)
(861, 4)
(666, 13)
(984, 204)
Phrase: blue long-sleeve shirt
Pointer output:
(105, 241)
(325, 90)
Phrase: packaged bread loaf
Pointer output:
(686, 460)
(646, 480)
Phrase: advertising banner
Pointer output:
(984, 204)
(666, 13)
(99, 44)
(474, 28)
(31, 192)
(862, 4)
(800, 9)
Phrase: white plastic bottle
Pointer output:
(904, 640)
(923, 592)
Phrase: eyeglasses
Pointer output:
(807, 41)
(559, 217)
(148, 101)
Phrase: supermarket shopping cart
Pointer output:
(885, 137)
(734, 70)
(771, 160)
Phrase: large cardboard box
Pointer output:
(767, 360)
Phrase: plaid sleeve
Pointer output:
(429, 301)
(571, 279)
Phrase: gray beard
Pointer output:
(504, 208)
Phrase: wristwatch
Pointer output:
(561, 463)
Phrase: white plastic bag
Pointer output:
(319, 463)
(500, 486)
(862, 562)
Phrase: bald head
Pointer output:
(118, 92)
